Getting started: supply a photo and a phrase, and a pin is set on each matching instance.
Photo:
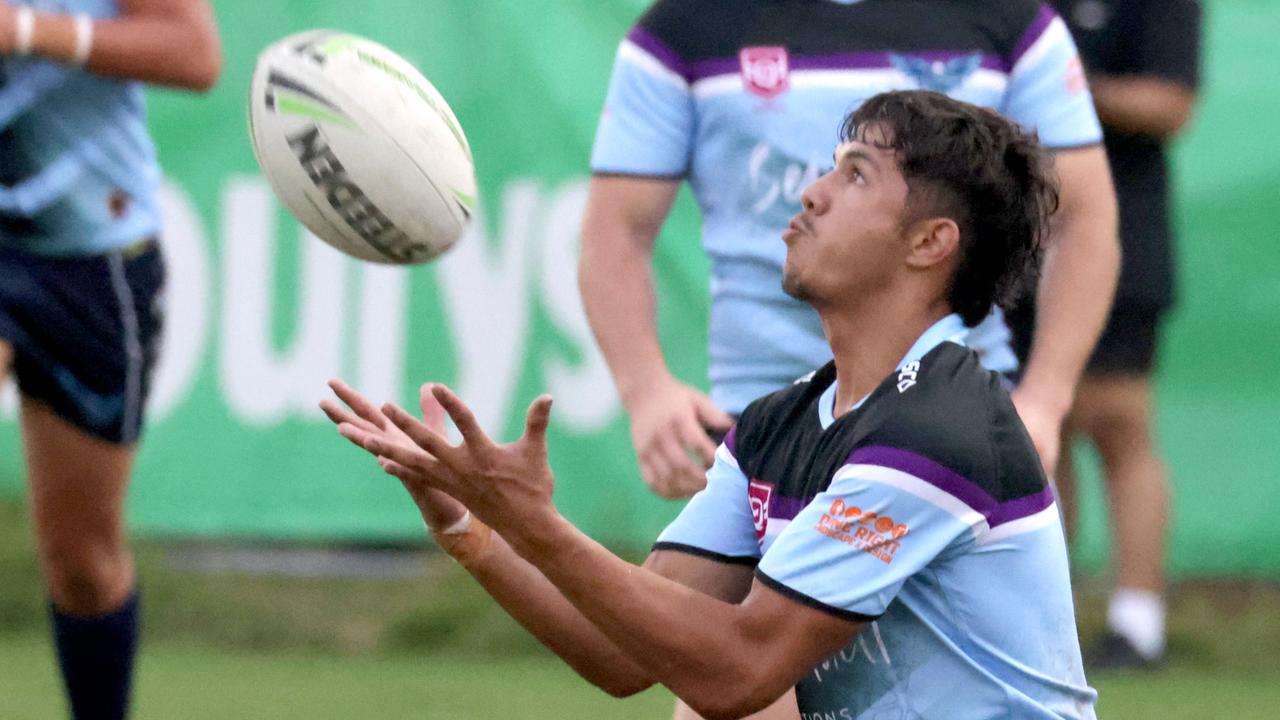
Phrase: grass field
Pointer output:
(238, 645)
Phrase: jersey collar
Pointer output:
(949, 329)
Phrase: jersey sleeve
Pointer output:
(647, 125)
(718, 522)
(885, 516)
(1169, 46)
(1047, 88)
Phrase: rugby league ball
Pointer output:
(360, 147)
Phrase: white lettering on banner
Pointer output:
(489, 289)
(263, 386)
(380, 337)
(586, 399)
(486, 301)
(185, 303)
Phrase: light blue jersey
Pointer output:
(743, 98)
(77, 166)
(923, 513)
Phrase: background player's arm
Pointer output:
(166, 42)
(1141, 104)
(1154, 97)
(1077, 283)
(615, 275)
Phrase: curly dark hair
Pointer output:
(981, 170)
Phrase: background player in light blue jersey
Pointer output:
(738, 97)
(81, 279)
(907, 553)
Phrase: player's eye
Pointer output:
(855, 175)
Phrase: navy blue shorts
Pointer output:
(85, 333)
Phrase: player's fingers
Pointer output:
(537, 420)
(432, 412)
(358, 403)
(409, 456)
(658, 475)
(421, 435)
(711, 417)
(678, 467)
(341, 415)
(695, 440)
(462, 417)
(357, 435)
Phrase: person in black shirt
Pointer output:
(1142, 59)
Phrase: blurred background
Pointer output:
(286, 577)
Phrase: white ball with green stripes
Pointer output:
(360, 147)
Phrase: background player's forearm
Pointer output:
(1078, 280)
(615, 276)
(1140, 104)
(155, 41)
(539, 607)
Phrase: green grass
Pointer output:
(198, 683)
(242, 646)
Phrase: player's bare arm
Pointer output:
(1077, 283)
(515, 584)
(1143, 104)
(668, 418)
(166, 42)
(723, 659)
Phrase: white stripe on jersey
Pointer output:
(1054, 35)
(640, 58)
(870, 79)
(1044, 518)
(726, 457)
(915, 486)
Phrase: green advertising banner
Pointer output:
(260, 314)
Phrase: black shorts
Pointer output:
(1127, 346)
(85, 332)
(1128, 342)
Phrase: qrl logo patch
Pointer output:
(764, 70)
(759, 494)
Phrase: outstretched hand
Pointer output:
(363, 419)
(507, 486)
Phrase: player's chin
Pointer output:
(791, 281)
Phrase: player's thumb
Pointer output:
(711, 417)
(537, 419)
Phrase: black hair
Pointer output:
(981, 170)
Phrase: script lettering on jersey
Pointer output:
(875, 534)
(344, 196)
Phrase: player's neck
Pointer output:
(869, 341)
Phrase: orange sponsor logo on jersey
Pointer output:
(875, 534)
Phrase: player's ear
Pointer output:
(933, 240)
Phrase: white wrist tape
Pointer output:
(459, 526)
(84, 39)
(24, 22)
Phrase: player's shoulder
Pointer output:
(782, 410)
(698, 29)
(947, 411)
(1009, 22)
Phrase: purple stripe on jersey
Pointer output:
(659, 50)
(1033, 33)
(939, 476)
(1022, 507)
(954, 484)
(786, 508)
(731, 441)
(839, 61)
